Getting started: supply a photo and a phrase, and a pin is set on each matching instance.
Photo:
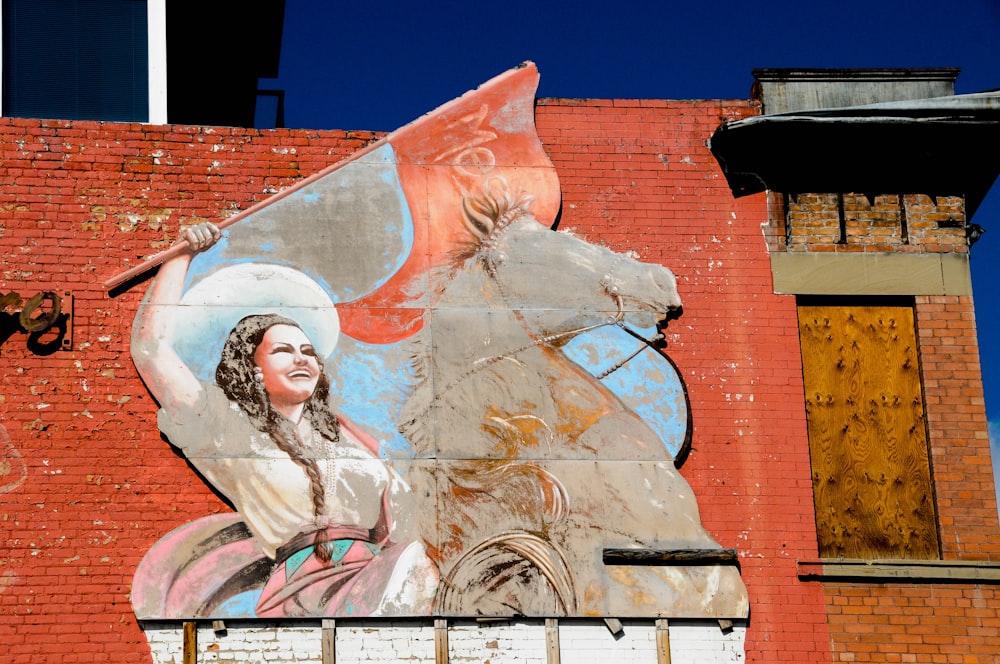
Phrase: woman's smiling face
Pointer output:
(289, 366)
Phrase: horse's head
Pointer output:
(557, 281)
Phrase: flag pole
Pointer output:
(165, 255)
(442, 111)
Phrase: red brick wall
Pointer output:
(928, 622)
(956, 422)
(935, 622)
(921, 624)
(81, 201)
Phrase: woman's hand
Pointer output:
(170, 380)
(201, 236)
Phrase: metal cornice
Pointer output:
(940, 146)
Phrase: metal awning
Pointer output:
(939, 146)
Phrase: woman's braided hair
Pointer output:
(235, 376)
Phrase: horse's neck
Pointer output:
(472, 323)
(467, 332)
(473, 337)
(474, 320)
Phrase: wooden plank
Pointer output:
(329, 641)
(614, 626)
(662, 641)
(552, 652)
(902, 571)
(669, 556)
(809, 273)
(867, 435)
(190, 642)
(440, 641)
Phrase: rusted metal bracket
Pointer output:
(670, 557)
(37, 316)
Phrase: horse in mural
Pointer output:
(529, 466)
(525, 468)
(451, 323)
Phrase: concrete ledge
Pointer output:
(900, 571)
(808, 273)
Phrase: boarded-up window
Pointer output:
(867, 439)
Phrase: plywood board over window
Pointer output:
(871, 473)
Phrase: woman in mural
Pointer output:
(309, 484)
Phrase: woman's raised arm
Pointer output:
(167, 377)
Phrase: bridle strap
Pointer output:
(646, 343)
(610, 286)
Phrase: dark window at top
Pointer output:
(214, 62)
(76, 59)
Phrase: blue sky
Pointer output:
(380, 64)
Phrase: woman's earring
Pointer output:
(258, 383)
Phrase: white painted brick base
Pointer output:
(522, 642)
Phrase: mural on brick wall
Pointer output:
(13, 470)
(420, 399)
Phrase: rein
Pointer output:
(617, 319)
(646, 343)
(610, 287)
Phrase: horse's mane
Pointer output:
(486, 215)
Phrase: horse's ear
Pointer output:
(479, 217)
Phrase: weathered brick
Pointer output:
(636, 175)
